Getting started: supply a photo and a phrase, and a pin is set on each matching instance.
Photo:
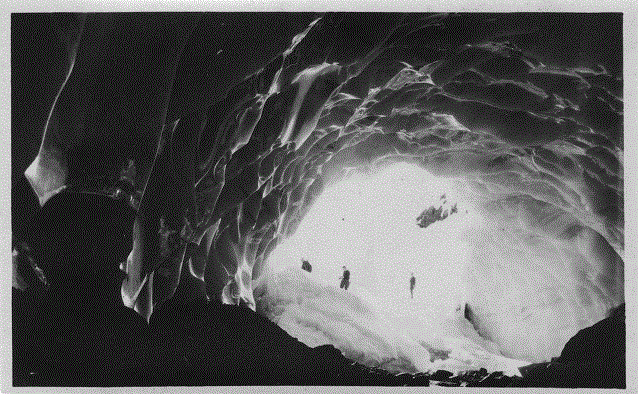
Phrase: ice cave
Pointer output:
(173, 164)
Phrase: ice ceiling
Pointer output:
(229, 127)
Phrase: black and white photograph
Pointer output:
(318, 198)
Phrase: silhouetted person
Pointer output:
(345, 278)
(305, 265)
(412, 284)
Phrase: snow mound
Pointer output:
(409, 338)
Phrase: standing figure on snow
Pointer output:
(345, 278)
(412, 284)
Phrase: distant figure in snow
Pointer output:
(345, 278)
(412, 284)
(305, 265)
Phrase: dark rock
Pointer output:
(593, 358)
(432, 215)
(458, 379)
(496, 379)
(441, 375)
(79, 241)
(471, 376)
(69, 332)
(57, 346)
(603, 340)
(259, 351)
(421, 380)
(24, 205)
(404, 379)
(548, 375)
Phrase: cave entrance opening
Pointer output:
(373, 224)
(369, 223)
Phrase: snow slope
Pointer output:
(319, 313)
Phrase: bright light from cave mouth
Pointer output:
(368, 224)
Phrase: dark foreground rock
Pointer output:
(204, 343)
(198, 344)
(593, 358)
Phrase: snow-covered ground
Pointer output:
(410, 338)
(368, 224)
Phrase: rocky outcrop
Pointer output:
(593, 358)
(432, 215)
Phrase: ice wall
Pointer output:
(536, 277)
